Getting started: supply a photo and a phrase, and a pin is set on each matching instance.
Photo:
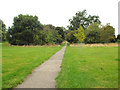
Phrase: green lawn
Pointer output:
(18, 62)
(89, 67)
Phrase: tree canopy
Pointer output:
(82, 19)
(2, 31)
(27, 30)
(24, 30)
(92, 33)
(80, 36)
(107, 34)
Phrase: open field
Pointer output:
(18, 62)
(89, 67)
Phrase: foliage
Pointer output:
(65, 42)
(81, 19)
(27, 30)
(52, 35)
(118, 37)
(60, 31)
(107, 34)
(89, 67)
(93, 33)
(2, 31)
(68, 44)
(80, 36)
(48, 27)
(24, 30)
(70, 36)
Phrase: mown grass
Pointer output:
(89, 67)
(18, 62)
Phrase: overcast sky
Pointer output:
(58, 12)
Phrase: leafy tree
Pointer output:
(60, 31)
(81, 19)
(48, 27)
(39, 38)
(118, 37)
(92, 33)
(52, 36)
(80, 36)
(70, 36)
(2, 31)
(24, 30)
(107, 34)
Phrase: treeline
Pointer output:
(88, 29)
(28, 30)
(95, 33)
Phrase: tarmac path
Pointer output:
(44, 75)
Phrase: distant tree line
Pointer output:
(94, 32)
(28, 30)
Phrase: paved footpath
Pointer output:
(44, 75)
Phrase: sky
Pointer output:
(58, 12)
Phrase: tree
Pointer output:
(81, 19)
(93, 33)
(107, 34)
(48, 27)
(118, 37)
(70, 36)
(80, 36)
(60, 31)
(52, 35)
(2, 31)
(24, 30)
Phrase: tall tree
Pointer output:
(60, 31)
(81, 19)
(24, 29)
(107, 34)
(92, 33)
(52, 34)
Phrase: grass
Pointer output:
(18, 62)
(89, 67)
